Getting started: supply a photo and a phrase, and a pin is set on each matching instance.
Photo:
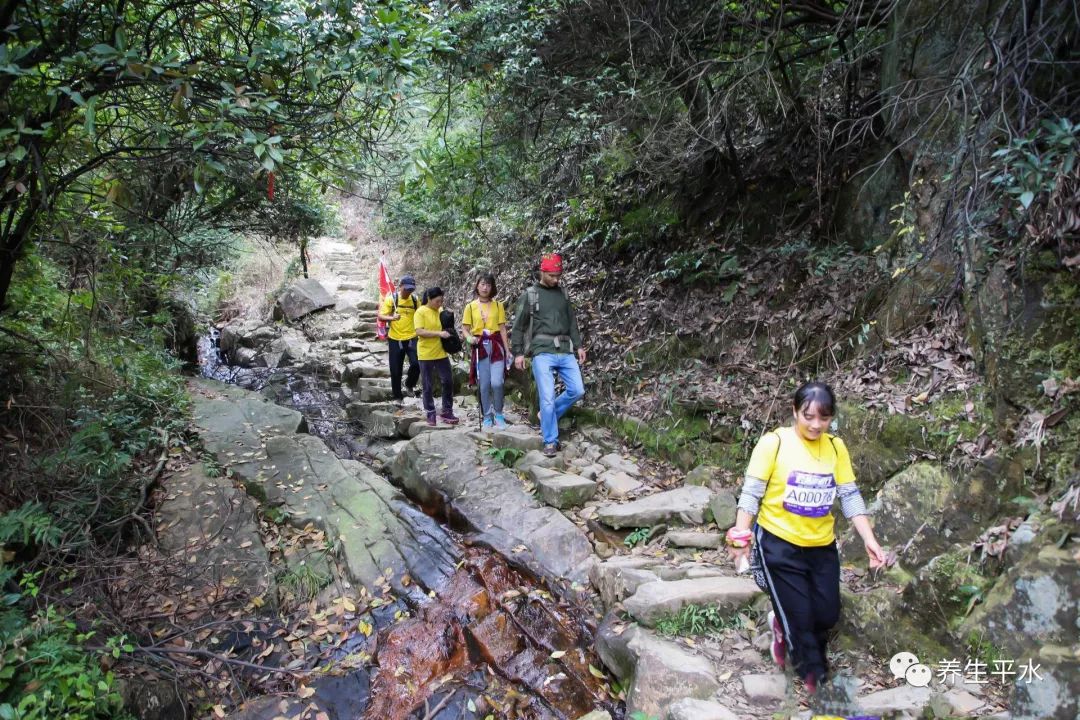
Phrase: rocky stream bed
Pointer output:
(443, 582)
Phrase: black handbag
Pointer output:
(451, 344)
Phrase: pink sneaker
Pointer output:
(778, 649)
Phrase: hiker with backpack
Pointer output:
(484, 325)
(398, 310)
(794, 476)
(434, 357)
(546, 329)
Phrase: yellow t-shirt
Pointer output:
(801, 479)
(428, 348)
(480, 317)
(402, 328)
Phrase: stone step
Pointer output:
(656, 600)
(764, 687)
(561, 490)
(904, 699)
(363, 382)
(361, 411)
(375, 394)
(523, 441)
(694, 709)
(682, 506)
(691, 539)
(382, 423)
(618, 483)
(618, 462)
(656, 672)
(364, 369)
(419, 428)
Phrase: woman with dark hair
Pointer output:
(794, 476)
(484, 323)
(433, 358)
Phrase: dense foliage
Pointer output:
(179, 115)
(632, 126)
(136, 139)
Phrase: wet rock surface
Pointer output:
(446, 470)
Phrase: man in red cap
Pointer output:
(546, 329)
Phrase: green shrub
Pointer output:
(507, 456)
(46, 670)
(700, 620)
(637, 537)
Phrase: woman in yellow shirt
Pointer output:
(794, 476)
(433, 359)
(484, 323)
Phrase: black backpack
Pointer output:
(451, 344)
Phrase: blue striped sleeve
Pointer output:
(851, 500)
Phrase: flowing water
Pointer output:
(491, 642)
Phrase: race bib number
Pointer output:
(809, 494)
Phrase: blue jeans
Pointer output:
(552, 408)
(489, 376)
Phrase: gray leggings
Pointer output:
(489, 376)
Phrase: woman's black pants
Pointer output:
(804, 585)
(428, 370)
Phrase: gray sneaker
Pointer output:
(550, 449)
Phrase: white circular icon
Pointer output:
(918, 675)
(900, 663)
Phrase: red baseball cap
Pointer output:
(551, 263)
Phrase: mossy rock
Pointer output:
(1026, 331)
(924, 510)
(1032, 604)
(875, 622)
(681, 439)
(1031, 613)
(880, 444)
(704, 475)
(942, 591)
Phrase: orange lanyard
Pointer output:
(483, 315)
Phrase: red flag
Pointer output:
(386, 287)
